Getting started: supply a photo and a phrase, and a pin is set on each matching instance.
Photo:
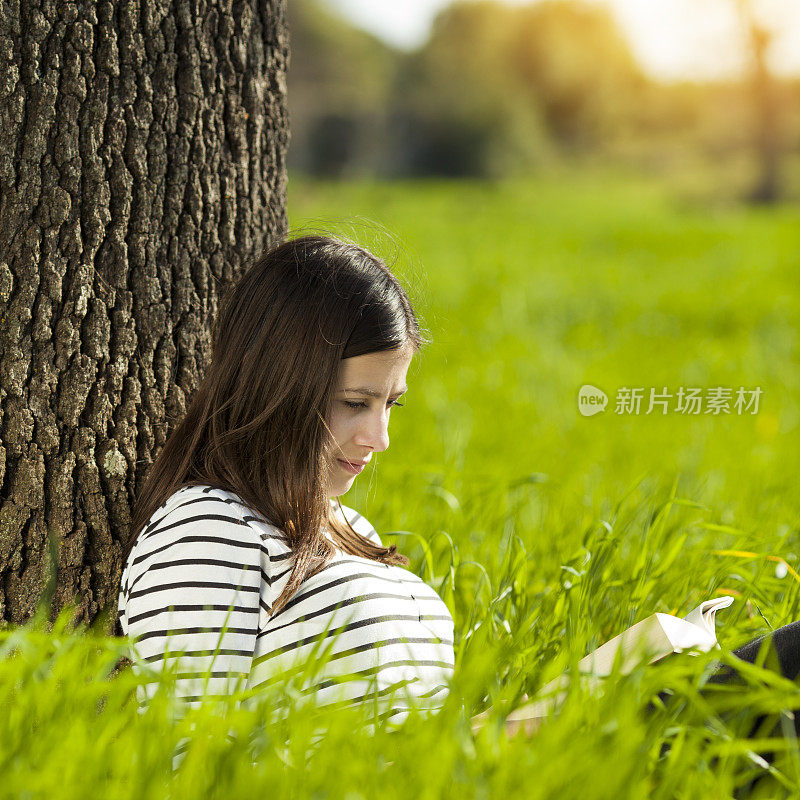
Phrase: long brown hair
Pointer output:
(256, 425)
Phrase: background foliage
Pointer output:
(500, 90)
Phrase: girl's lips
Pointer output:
(350, 468)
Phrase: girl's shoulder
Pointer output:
(225, 503)
(222, 504)
(197, 530)
(203, 503)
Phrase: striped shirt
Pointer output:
(204, 573)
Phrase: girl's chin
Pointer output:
(341, 487)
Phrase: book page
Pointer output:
(644, 640)
(704, 615)
(684, 635)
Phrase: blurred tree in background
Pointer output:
(764, 102)
(571, 60)
(458, 108)
(499, 90)
(339, 81)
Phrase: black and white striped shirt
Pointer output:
(206, 561)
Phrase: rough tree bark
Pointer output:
(142, 159)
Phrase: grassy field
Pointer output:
(546, 532)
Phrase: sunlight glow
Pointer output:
(672, 39)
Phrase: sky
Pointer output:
(672, 39)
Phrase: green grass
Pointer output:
(545, 532)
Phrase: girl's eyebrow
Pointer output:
(373, 392)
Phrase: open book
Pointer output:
(647, 641)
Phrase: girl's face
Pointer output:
(367, 388)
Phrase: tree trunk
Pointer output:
(142, 160)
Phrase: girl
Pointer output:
(240, 541)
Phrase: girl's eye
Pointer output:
(362, 404)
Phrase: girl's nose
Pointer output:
(375, 432)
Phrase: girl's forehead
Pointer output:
(378, 367)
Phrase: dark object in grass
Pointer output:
(779, 651)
